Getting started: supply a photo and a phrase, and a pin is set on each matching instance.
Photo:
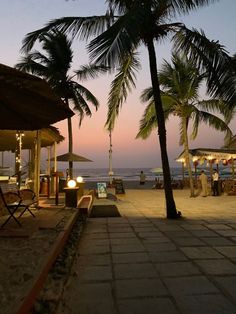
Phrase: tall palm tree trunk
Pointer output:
(70, 142)
(170, 203)
(187, 160)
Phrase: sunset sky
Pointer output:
(18, 17)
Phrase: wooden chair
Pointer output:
(13, 199)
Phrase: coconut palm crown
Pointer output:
(119, 33)
(54, 66)
(180, 84)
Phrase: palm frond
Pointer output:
(212, 58)
(118, 40)
(148, 122)
(184, 7)
(85, 93)
(122, 84)
(82, 27)
(211, 120)
(217, 106)
(147, 94)
(90, 71)
(27, 64)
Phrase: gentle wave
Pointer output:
(130, 174)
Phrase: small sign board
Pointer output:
(102, 189)
(119, 186)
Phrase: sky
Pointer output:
(18, 17)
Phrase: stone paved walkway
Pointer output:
(142, 263)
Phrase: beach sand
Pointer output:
(22, 256)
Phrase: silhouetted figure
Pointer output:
(142, 178)
(215, 186)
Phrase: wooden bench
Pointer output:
(12, 199)
(85, 203)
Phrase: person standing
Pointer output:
(204, 181)
(142, 178)
(215, 186)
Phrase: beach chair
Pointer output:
(11, 202)
(12, 199)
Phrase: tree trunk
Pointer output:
(186, 153)
(70, 142)
(170, 203)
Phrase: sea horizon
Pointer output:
(132, 174)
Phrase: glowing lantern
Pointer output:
(79, 179)
(71, 184)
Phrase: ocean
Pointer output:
(131, 174)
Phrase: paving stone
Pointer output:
(170, 227)
(148, 235)
(89, 299)
(218, 227)
(227, 233)
(94, 242)
(188, 226)
(178, 234)
(232, 225)
(92, 260)
(149, 306)
(134, 288)
(94, 273)
(161, 239)
(160, 247)
(96, 230)
(147, 229)
(190, 285)
(126, 241)
(228, 283)
(173, 256)
(205, 304)
(119, 228)
(217, 241)
(217, 267)
(118, 235)
(204, 233)
(201, 252)
(130, 258)
(99, 307)
(127, 248)
(177, 269)
(229, 251)
(96, 236)
(93, 292)
(189, 241)
(94, 249)
(144, 270)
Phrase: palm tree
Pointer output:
(121, 31)
(180, 83)
(54, 66)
